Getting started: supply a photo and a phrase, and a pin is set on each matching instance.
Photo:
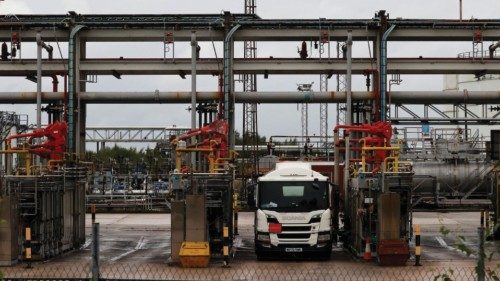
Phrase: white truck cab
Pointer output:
(293, 212)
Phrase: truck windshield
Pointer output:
(293, 196)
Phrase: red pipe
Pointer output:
(55, 83)
(65, 99)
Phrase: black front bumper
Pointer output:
(281, 249)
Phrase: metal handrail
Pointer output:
(478, 54)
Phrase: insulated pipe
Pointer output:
(72, 86)
(398, 97)
(228, 83)
(383, 72)
(492, 49)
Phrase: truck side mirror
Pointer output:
(251, 196)
(334, 196)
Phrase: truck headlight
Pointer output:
(271, 219)
(315, 218)
(323, 237)
(264, 237)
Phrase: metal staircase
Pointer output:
(9, 120)
(27, 198)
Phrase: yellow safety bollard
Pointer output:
(418, 249)
(225, 249)
(235, 210)
(27, 246)
(92, 210)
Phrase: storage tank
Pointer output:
(469, 82)
(452, 180)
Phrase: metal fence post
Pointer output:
(480, 255)
(95, 252)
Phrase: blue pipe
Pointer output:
(72, 87)
(383, 72)
(228, 80)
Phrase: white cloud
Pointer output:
(80, 6)
(15, 7)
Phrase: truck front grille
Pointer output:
(294, 235)
(295, 228)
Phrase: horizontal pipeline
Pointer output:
(396, 97)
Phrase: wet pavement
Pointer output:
(145, 238)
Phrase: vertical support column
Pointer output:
(81, 85)
(73, 80)
(341, 86)
(304, 119)
(348, 119)
(194, 45)
(324, 40)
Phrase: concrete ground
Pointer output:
(137, 246)
(146, 238)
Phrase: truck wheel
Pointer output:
(326, 255)
(260, 255)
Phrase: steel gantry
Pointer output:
(78, 30)
(250, 135)
(132, 134)
(324, 53)
(341, 83)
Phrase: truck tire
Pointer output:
(326, 255)
(260, 256)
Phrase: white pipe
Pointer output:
(39, 43)
(397, 97)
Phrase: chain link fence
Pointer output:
(245, 271)
(92, 268)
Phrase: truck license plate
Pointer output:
(293, 250)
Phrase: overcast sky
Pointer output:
(273, 119)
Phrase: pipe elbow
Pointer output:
(39, 41)
(388, 32)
